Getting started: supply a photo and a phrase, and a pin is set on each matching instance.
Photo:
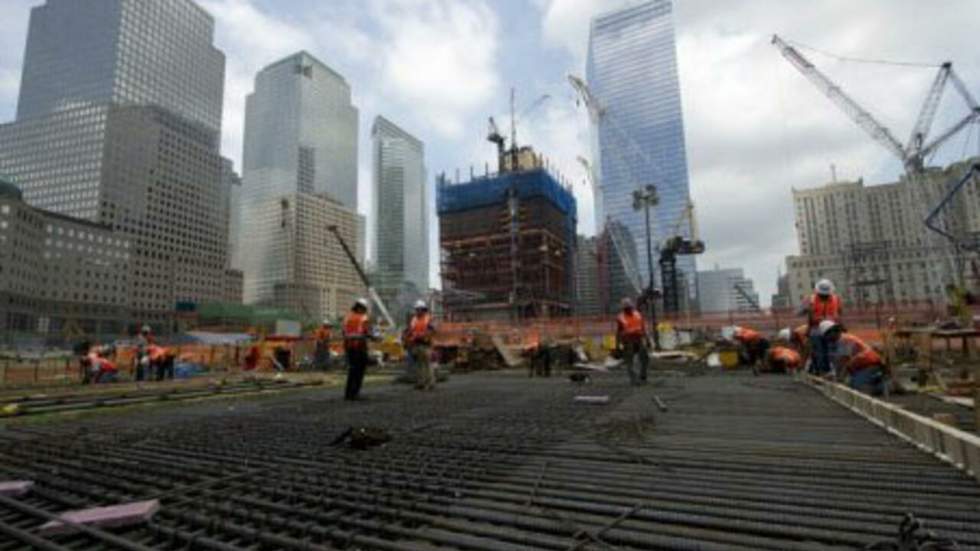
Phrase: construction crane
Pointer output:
(919, 146)
(674, 246)
(364, 278)
(496, 137)
(748, 297)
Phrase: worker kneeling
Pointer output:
(783, 358)
(631, 341)
(418, 341)
(752, 346)
(851, 356)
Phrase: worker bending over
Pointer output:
(782, 357)
(103, 370)
(855, 359)
(822, 305)
(631, 341)
(357, 332)
(418, 341)
(752, 346)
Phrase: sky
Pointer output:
(755, 128)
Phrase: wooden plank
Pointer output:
(959, 448)
(111, 516)
(15, 488)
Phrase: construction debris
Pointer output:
(113, 516)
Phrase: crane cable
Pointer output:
(861, 59)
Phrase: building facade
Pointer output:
(119, 124)
(301, 132)
(401, 214)
(299, 177)
(871, 241)
(588, 297)
(60, 276)
(718, 291)
(632, 72)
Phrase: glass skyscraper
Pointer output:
(632, 72)
(299, 177)
(401, 214)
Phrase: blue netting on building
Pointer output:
(482, 192)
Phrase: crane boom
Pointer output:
(952, 131)
(364, 278)
(851, 108)
(964, 92)
(928, 112)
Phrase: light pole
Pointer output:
(644, 198)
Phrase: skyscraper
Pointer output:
(301, 131)
(401, 214)
(299, 178)
(632, 72)
(119, 123)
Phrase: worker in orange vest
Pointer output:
(321, 352)
(357, 332)
(823, 305)
(782, 357)
(418, 341)
(104, 370)
(752, 346)
(631, 341)
(855, 359)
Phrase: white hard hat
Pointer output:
(362, 302)
(824, 287)
(421, 305)
(826, 326)
(729, 331)
(146, 329)
(626, 303)
(784, 334)
(327, 322)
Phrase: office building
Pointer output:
(299, 177)
(871, 242)
(507, 245)
(301, 132)
(588, 297)
(401, 214)
(59, 276)
(119, 124)
(632, 72)
(726, 290)
(782, 299)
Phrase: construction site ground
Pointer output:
(489, 461)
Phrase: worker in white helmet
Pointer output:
(823, 305)
(417, 339)
(357, 332)
(855, 360)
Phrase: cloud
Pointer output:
(756, 128)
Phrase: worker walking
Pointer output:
(855, 359)
(321, 352)
(418, 340)
(823, 305)
(357, 332)
(631, 341)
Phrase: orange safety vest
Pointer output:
(631, 325)
(824, 309)
(355, 325)
(322, 334)
(156, 352)
(747, 335)
(418, 328)
(859, 354)
(790, 358)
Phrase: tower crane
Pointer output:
(919, 147)
(674, 246)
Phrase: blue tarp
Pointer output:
(485, 191)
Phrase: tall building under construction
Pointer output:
(507, 242)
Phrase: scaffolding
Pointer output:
(510, 239)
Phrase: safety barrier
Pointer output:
(958, 448)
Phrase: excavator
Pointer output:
(670, 249)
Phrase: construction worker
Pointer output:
(104, 371)
(418, 341)
(855, 359)
(631, 341)
(321, 353)
(752, 346)
(782, 358)
(823, 305)
(357, 332)
(142, 358)
(165, 364)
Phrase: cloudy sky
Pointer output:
(755, 128)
